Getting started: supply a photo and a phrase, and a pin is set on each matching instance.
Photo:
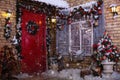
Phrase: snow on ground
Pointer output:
(66, 74)
(69, 74)
(23, 75)
(74, 74)
(58, 3)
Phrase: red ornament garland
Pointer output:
(96, 11)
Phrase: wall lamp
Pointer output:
(114, 9)
(53, 20)
(8, 14)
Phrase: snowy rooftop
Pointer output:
(86, 5)
(58, 3)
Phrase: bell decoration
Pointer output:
(99, 10)
(96, 17)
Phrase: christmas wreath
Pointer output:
(32, 27)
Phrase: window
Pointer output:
(75, 39)
(80, 38)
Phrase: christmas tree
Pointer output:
(105, 49)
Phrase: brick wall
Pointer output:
(112, 25)
(4, 6)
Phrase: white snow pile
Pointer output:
(74, 74)
(23, 75)
(114, 76)
(90, 77)
(57, 3)
(70, 74)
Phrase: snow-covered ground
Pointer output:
(66, 74)
(74, 74)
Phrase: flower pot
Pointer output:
(107, 68)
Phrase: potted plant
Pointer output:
(105, 53)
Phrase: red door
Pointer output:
(33, 46)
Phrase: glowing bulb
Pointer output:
(8, 13)
(53, 20)
(67, 65)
